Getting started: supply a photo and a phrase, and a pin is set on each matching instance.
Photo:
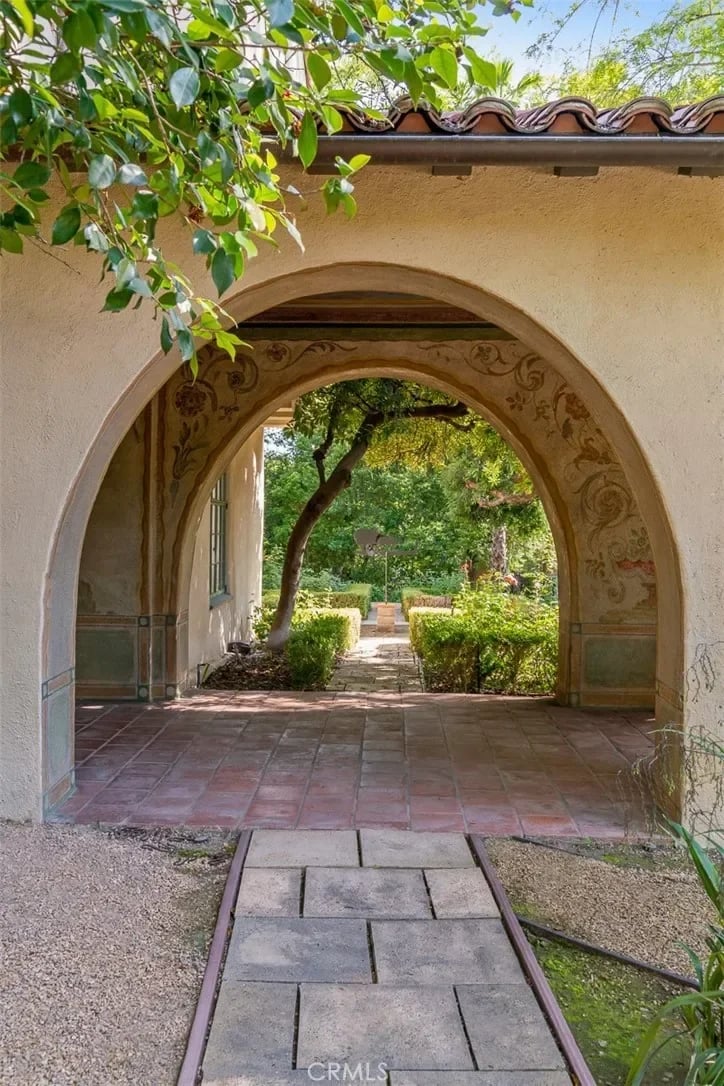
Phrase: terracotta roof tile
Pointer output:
(565, 116)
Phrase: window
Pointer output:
(217, 540)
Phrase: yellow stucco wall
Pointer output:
(623, 272)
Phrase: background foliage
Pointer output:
(412, 487)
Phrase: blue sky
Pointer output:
(509, 39)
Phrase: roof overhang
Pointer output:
(700, 154)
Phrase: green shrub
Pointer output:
(422, 597)
(349, 629)
(415, 617)
(354, 595)
(316, 640)
(492, 641)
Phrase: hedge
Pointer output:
(498, 643)
(317, 638)
(354, 595)
(419, 597)
(415, 617)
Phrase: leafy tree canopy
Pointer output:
(442, 489)
(679, 57)
(139, 109)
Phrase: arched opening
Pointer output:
(586, 464)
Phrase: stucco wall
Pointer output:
(622, 271)
(212, 627)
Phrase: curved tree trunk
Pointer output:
(323, 497)
(318, 504)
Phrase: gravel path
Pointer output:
(636, 912)
(102, 944)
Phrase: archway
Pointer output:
(587, 400)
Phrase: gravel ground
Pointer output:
(638, 912)
(102, 943)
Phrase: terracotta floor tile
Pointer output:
(369, 759)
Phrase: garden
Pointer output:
(467, 551)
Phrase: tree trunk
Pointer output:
(318, 504)
(499, 551)
(323, 497)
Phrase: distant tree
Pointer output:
(488, 493)
(679, 57)
(348, 416)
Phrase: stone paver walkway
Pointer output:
(378, 663)
(475, 763)
(377, 956)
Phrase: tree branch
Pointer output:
(502, 498)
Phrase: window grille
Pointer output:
(217, 539)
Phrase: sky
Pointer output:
(507, 38)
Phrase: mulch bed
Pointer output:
(259, 670)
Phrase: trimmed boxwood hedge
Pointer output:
(419, 597)
(354, 595)
(317, 638)
(491, 642)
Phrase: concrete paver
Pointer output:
(253, 1028)
(393, 1026)
(443, 951)
(303, 848)
(405, 1002)
(457, 894)
(269, 891)
(265, 948)
(507, 1029)
(398, 848)
(365, 892)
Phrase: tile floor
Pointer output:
(478, 764)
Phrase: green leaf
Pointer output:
(222, 270)
(351, 17)
(332, 118)
(116, 300)
(66, 226)
(203, 241)
(166, 340)
(184, 86)
(79, 31)
(444, 63)
(319, 70)
(131, 174)
(30, 175)
(358, 161)
(186, 345)
(125, 6)
(25, 14)
(10, 240)
(145, 205)
(101, 172)
(65, 67)
(280, 12)
(226, 60)
(20, 106)
(140, 286)
(307, 140)
(484, 72)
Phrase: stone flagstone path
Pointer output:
(379, 662)
(381, 951)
